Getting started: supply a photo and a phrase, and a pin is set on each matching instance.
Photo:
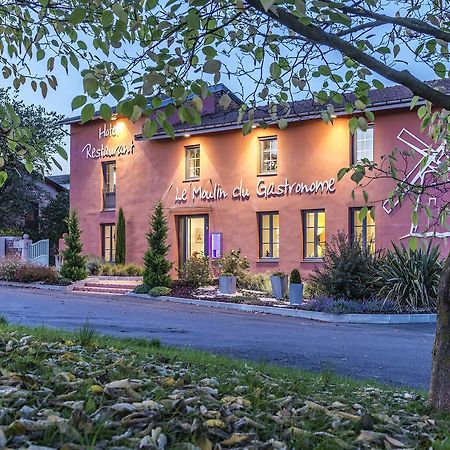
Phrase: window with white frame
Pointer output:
(268, 155)
(193, 162)
(363, 145)
(313, 233)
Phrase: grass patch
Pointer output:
(89, 391)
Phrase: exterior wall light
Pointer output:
(187, 135)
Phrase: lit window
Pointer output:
(363, 145)
(109, 185)
(192, 162)
(363, 231)
(268, 155)
(314, 233)
(269, 235)
(109, 242)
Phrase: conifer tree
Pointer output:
(156, 264)
(120, 238)
(74, 263)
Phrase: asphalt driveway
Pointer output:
(396, 354)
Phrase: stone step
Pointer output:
(110, 285)
(101, 290)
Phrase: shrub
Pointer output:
(74, 263)
(410, 277)
(159, 290)
(142, 289)
(342, 306)
(196, 271)
(3, 320)
(156, 264)
(93, 264)
(8, 269)
(120, 238)
(232, 263)
(26, 272)
(33, 273)
(349, 270)
(116, 270)
(295, 277)
(254, 282)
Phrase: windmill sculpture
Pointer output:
(423, 170)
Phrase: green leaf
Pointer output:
(77, 16)
(342, 173)
(106, 111)
(117, 91)
(357, 176)
(3, 177)
(212, 66)
(324, 70)
(29, 166)
(440, 69)
(78, 101)
(422, 112)
(275, 70)
(62, 152)
(414, 101)
(149, 128)
(87, 113)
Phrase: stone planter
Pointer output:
(227, 284)
(295, 293)
(279, 286)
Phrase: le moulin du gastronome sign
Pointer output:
(263, 190)
(104, 150)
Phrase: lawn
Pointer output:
(85, 391)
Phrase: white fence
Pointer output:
(38, 252)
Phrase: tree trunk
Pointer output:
(439, 397)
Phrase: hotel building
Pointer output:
(273, 193)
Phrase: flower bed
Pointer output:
(25, 272)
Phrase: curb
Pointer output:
(44, 287)
(375, 319)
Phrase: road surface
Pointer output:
(395, 354)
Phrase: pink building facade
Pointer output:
(274, 193)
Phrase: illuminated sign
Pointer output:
(105, 150)
(263, 190)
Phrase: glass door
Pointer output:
(109, 242)
(192, 237)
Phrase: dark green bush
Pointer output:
(349, 271)
(120, 238)
(295, 277)
(410, 277)
(142, 289)
(159, 290)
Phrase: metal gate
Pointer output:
(38, 252)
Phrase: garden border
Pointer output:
(381, 319)
(45, 287)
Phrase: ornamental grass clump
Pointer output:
(349, 271)
(410, 277)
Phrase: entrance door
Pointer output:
(109, 242)
(192, 237)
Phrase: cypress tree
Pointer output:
(120, 238)
(156, 264)
(74, 263)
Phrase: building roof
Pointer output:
(217, 88)
(60, 182)
(388, 98)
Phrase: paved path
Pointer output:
(398, 354)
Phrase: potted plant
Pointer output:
(279, 283)
(231, 265)
(227, 283)
(295, 288)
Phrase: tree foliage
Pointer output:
(53, 220)
(156, 264)
(120, 238)
(74, 263)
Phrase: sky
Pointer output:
(70, 85)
